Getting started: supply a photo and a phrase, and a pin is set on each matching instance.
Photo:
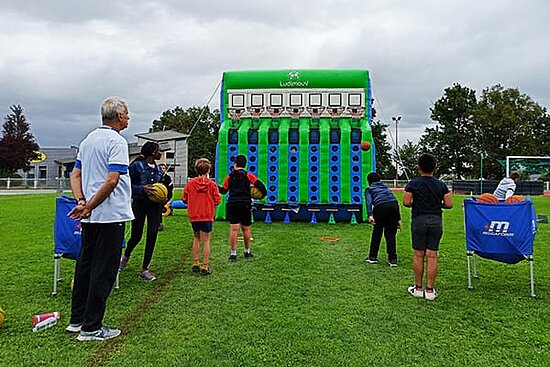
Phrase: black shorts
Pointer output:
(239, 213)
(202, 226)
(426, 232)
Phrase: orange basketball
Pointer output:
(365, 145)
(487, 198)
(514, 199)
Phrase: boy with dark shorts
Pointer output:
(201, 196)
(383, 212)
(426, 195)
(239, 204)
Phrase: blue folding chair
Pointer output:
(500, 232)
(67, 238)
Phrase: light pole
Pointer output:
(396, 120)
(481, 155)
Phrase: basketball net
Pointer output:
(235, 113)
(275, 112)
(295, 112)
(255, 112)
(356, 112)
(315, 112)
(335, 112)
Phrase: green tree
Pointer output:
(452, 138)
(17, 145)
(202, 125)
(509, 123)
(408, 159)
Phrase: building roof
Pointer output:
(159, 136)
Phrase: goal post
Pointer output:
(540, 165)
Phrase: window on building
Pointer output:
(169, 155)
(42, 172)
(30, 173)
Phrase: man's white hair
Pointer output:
(112, 106)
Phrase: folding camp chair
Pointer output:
(500, 232)
(67, 238)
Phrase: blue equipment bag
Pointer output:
(501, 232)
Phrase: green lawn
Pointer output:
(299, 302)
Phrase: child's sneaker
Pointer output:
(248, 255)
(430, 295)
(371, 260)
(393, 263)
(195, 269)
(147, 275)
(232, 258)
(415, 291)
(205, 272)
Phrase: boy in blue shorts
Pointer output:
(201, 196)
(426, 195)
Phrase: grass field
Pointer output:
(299, 302)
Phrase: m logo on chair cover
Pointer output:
(498, 228)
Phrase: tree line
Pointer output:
(466, 131)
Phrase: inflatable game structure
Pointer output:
(301, 131)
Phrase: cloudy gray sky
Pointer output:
(60, 58)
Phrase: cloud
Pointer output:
(62, 58)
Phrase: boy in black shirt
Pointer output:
(426, 195)
(239, 204)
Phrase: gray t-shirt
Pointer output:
(104, 150)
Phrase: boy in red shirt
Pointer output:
(201, 196)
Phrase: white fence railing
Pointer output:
(35, 183)
(62, 184)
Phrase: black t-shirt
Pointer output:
(239, 187)
(428, 193)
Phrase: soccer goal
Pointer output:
(530, 164)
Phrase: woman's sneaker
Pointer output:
(102, 334)
(415, 291)
(371, 260)
(430, 295)
(147, 275)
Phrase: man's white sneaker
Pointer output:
(415, 291)
(430, 295)
(73, 328)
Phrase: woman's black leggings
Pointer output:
(142, 210)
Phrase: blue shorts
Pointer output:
(202, 226)
(427, 231)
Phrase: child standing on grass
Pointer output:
(239, 204)
(426, 195)
(201, 196)
(383, 212)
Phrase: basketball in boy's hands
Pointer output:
(256, 193)
(365, 145)
(158, 193)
